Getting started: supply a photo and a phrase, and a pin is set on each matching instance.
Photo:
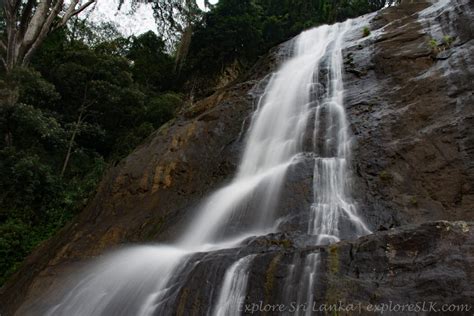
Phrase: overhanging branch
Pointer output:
(83, 7)
(72, 11)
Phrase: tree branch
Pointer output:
(17, 4)
(77, 126)
(10, 12)
(43, 32)
(36, 23)
(3, 45)
(83, 7)
(26, 16)
(4, 63)
(72, 11)
(68, 12)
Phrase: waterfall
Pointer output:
(332, 215)
(120, 284)
(232, 292)
(274, 141)
(306, 92)
(332, 209)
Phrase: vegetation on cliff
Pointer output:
(243, 30)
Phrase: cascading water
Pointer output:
(141, 281)
(232, 292)
(274, 141)
(333, 216)
(332, 209)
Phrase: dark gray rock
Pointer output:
(411, 115)
(430, 264)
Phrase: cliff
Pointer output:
(410, 107)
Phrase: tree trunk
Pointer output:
(27, 30)
(183, 48)
(8, 139)
(71, 140)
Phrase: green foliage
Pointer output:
(162, 108)
(437, 47)
(36, 203)
(33, 89)
(245, 29)
(26, 183)
(118, 92)
(158, 110)
(231, 30)
(28, 190)
(91, 94)
(448, 41)
(152, 68)
(93, 35)
(33, 128)
(365, 31)
(433, 44)
(16, 241)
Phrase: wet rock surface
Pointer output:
(430, 264)
(411, 113)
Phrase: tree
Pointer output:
(229, 31)
(237, 32)
(28, 22)
(152, 67)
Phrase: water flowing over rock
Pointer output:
(233, 289)
(328, 175)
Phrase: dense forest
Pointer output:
(88, 96)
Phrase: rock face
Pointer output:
(408, 265)
(410, 106)
(414, 264)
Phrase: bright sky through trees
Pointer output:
(139, 22)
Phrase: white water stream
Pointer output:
(234, 286)
(136, 281)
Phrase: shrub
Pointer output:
(448, 40)
(433, 44)
(365, 31)
(437, 47)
